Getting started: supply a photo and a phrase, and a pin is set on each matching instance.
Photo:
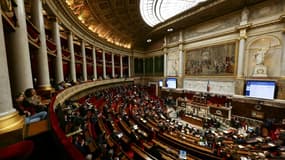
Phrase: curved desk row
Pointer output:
(60, 98)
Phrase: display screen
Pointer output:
(260, 89)
(120, 135)
(182, 154)
(160, 82)
(171, 82)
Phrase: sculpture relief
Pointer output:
(264, 57)
(260, 69)
(173, 60)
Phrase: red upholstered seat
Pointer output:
(21, 150)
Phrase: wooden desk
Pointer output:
(220, 111)
(142, 153)
(192, 120)
(192, 149)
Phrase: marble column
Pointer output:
(19, 55)
(181, 60)
(129, 66)
(113, 66)
(104, 64)
(72, 57)
(94, 62)
(84, 60)
(240, 67)
(59, 77)
(6, 105)
(43, 80)
(121, 66)
(165, 69)
(165, 65)
(243, 36)
(283, 56)
(9, 118)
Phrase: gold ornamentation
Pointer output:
(11, 122)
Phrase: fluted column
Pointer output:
(5, 97)
(72, 57)
(181, 59)
(121, 66)
(59, 77)
(240, 72)
(19, 55)
(104, 64)
(43, 80)
(84, 60)
(283, 55)
(180, 65)
(165, 63)
(165, 69)
(94, 62)
(9, 118)
(243, 36)
(113, 66)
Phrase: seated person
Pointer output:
(31, 115)
(33, 100)
(60, 86)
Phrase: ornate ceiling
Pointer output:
(120, 22)
(117, 21)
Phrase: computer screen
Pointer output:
(182, 154)
(160, 82)
(260, 89)
(120, 134)
(135, 127)
(171, 82)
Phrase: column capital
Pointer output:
(180, 47)
(245, 26)
(69, 32)
(242, 34)
(53, 18)
(282, 18)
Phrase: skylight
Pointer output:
(157, 11)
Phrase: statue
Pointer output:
(260, 70)
(259, 56)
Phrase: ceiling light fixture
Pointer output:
(148, 40)
(169, 29)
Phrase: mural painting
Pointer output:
(218, 60)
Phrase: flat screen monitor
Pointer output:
(135, 127)
(120, 135)
(160, 82)
(260, 89)
(171, 82)
(182, 154)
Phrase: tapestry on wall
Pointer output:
(218, 60)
